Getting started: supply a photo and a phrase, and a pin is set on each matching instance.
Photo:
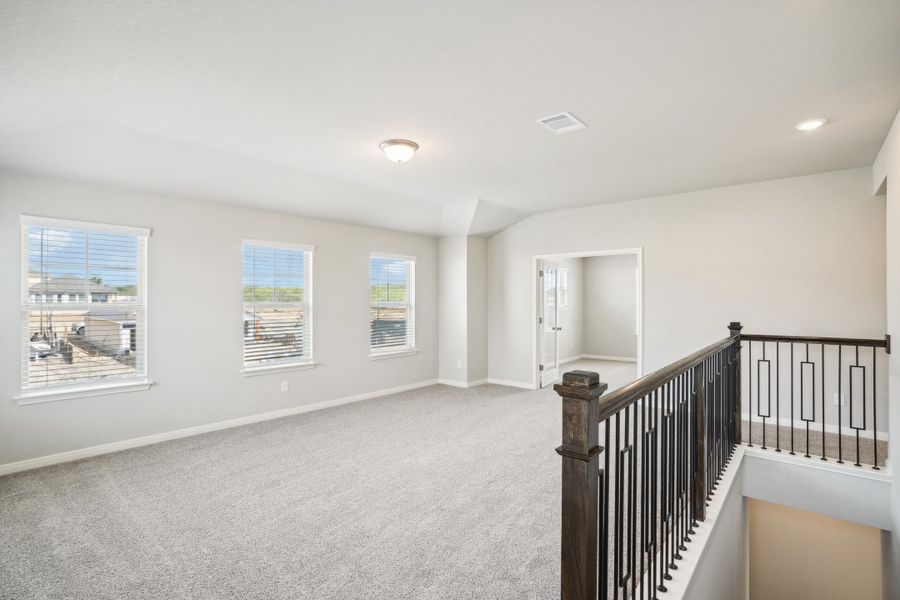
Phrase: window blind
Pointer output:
(83, 313)
(277, 304)
(391, 304)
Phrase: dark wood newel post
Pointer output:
(580, 451)
(735, 328)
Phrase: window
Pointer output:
(69, 344)
(563, 287)
(277, 292)
(392, 304)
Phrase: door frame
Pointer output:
(535, 300)
(542, 318)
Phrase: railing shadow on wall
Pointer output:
(639, 464)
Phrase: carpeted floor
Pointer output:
(435, 493)
(778, 439)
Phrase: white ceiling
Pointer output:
(282, 104)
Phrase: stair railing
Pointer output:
(640, 463)
(630, 505)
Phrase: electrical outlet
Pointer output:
(284, 386)
(841, 403)
(459, 364)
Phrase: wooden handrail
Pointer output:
(836, 341)
(634, 391)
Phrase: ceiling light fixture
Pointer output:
(398, 150)
(810, 124)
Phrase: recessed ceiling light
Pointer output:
(810, 124)
(398, 150)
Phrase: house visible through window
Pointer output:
(277, 293)
(69, 268)
(392, 306)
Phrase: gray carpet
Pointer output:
(436, 493)
(780, 437)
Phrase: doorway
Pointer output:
(588, 315)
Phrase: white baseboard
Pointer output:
(462, 384)
(516, 384)
(613, 358)
(62, 457)
(817, 427)
(571, 359)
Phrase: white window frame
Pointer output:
(410, 304)
(140, 380)
(293, 363)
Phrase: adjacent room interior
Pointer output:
(441, 301)
(589, 315)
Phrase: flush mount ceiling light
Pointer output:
(810, 124)
(398, 150)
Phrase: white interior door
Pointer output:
(548, 322)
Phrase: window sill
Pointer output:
(40, 396)
(282, 368)
(394, 354)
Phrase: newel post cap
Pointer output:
(580, 384)
(735, 327)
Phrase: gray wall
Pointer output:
(721, 571)
(462, 328)
(794, 256)
(610, 300)
(477, 307)
(194, 317)
(453, 299)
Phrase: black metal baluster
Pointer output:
(685, 411)
(644, 436)
(864, 410)
(601, 556)
(777, 397)
(750, 393)
(823, 403)
(812, 398)
(654, 472)
(874, 411)
(604, 517)
(673, 420)
(632, 497)
(682, 475)
(759, 395)
(661, 491)
(792, 398)
(840, 405)
(617, 521)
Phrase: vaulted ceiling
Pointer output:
(281, 104)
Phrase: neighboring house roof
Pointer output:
(118, 315)
(68, 284)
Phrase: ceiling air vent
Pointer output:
(563, 122)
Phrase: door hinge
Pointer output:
(541, 272)
(540, 320)
(540, 367)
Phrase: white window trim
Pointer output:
(288, 364)
(393, 353)
(82, 391)
(35, 221)
(38, 395)
(411, 310)
(278, 368)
